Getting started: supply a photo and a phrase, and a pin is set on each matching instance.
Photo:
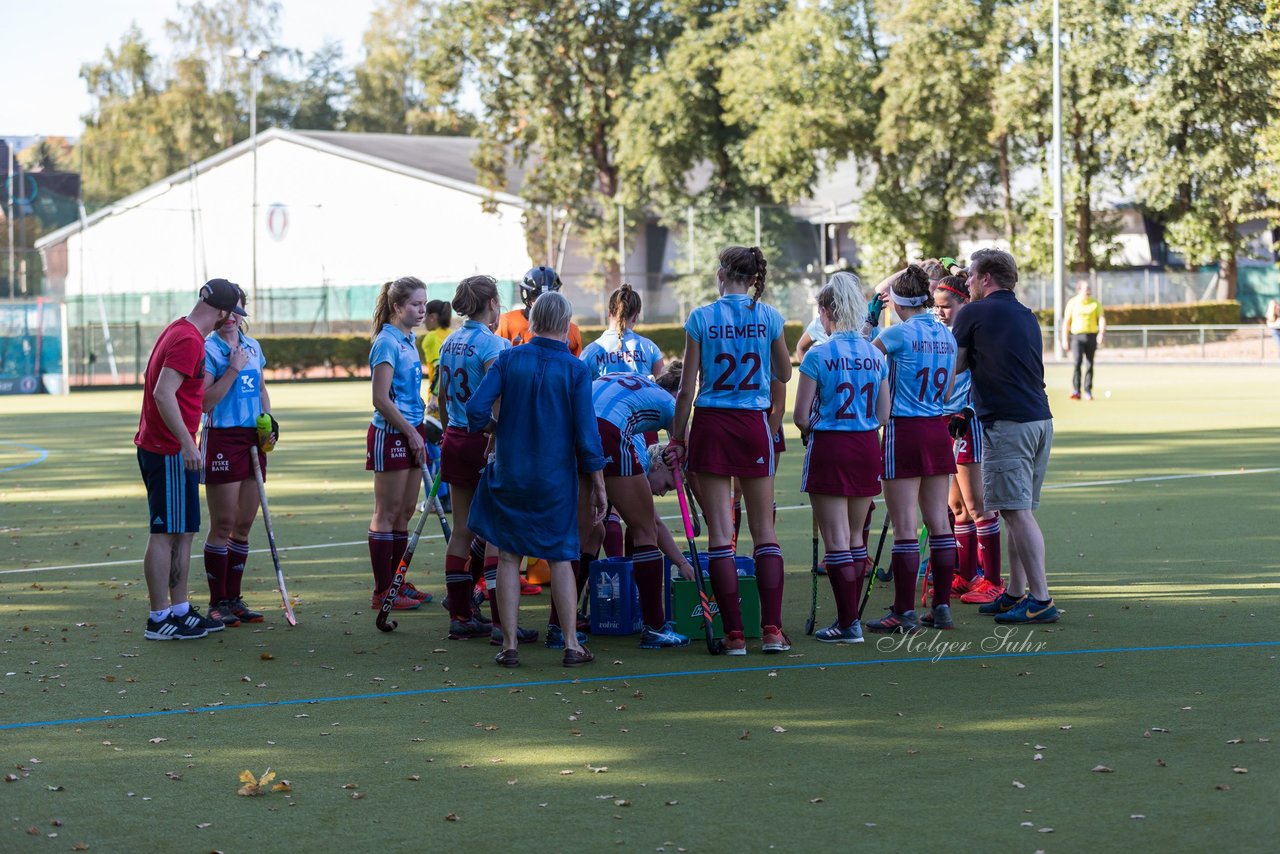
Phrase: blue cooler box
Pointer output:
(614, 600)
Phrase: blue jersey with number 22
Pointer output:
(922, 360)
(848, 371)
(736, 340)
(463, 357)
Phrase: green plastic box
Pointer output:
(686, 608)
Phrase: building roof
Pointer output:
(444, 160)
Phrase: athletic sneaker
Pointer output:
(834, 634)
(998, 605)
(664, 636)
(820, 569)
(222, 611)
(893, 622)
(407, 589)
(939, 617)
(522, 636)
(981, 592)
(735, 643)
(242, 612)
(555, 637)
(171, 628)
(1030, 610)
(465, 629)
(1075, 395)
(527, 589)
(773, 639)
(402, 603)
(195, 620)
(960, 585)
(1088, 395)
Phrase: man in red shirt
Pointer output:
(169, 460)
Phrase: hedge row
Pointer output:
(349, 354)
(1196, 313)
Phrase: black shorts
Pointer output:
(173, 493)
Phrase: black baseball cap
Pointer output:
(223, 295)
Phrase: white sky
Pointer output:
(48, 40)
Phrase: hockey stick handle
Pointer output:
(271, 534)
(685, 516)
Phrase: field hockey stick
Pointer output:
(397, 581)
(714, 646)
(693, 509)
(813, 579)
(438, 505)
(875, 566)
(271, 536)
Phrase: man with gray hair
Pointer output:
(1001, 345)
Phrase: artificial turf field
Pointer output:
(1164, 669)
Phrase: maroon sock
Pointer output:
(989, 550)
(966, 550)
(861, 564)
(216, 566)
(840, 572)
(769, 572)
(237, 557)
(458, 584)
(476, 560)
(613, 544)
(491, 584)
(724, 586)
(904, 562)
(648, 574)
(942, 559)
(380, 546)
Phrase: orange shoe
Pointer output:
(960, 585)
(402, 603)
(982, 592)
(407, 589)
(527, 589)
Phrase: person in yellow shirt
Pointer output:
(1084, 324)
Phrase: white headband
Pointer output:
(908, 302)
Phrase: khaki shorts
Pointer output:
(1015, 457)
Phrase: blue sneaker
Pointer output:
(555, 637)
(834, 634)
(1030, 610)
(895, 623)
(1000, 604)
(662, 637)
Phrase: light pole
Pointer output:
(254, 57)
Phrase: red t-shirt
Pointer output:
(181, 347)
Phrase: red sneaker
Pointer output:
(734, 643)
(527, 589)
(773, 639)
(960, 585)
(982, 592)
(407, 589)
(402, 603)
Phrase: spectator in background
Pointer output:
(1083, 326)
(1273, 322)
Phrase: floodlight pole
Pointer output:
(1059, 249)
(12, 271)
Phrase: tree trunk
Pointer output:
(1006, 188)
(1228, 273)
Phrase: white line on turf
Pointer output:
(1081, 484)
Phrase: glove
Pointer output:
(874, 310)
(435, 433)
(959, 424)
(268, 432)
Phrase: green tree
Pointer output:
(313, 101)
(1199, 123)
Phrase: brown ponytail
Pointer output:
(669, 381)
(912, 282)
(624, 305)
(391, 296)
(746, 264)
(474, 295)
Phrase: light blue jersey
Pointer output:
(959, 394)
(635, 405)
(629, 353)
(848, 371)
(396, 348)
(242, 404)
(463, 357)
(922, 359)
(736, 342)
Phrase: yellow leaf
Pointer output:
(247, 776)
(267, 777)
(282, 786)
(249, 789)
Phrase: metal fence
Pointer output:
(1126, 287)
(1210, 343)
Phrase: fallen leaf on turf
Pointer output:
(597, 769)
(1101, 769)
(607, 797)
(1040, 756)
(1162, 763)
(202, 825)
(266, 656)
(11, 778)
(746, 735)
(777, 728)
(356, 796)
(451, 817)
(491, 728)
(1146, 734)
(815, 800)
(1159, 728)
(566, 772)
(1222, 787)
(1136, 815)
(414, 777)
(672, 803)
(172, 776)
(1240, 770)
(156, 740)
(1041, 747)
(80, 846)
(61, 789)
(513, 782)
(1236, 741)
(1065, 728)
(1019, 785)
(255, 785)
(282, 786)
(621, 802)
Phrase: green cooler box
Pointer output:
(686, 608)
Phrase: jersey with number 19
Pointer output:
(735, 339)
(463, 357)
(848, 371)
(922, 360)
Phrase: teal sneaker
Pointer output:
(834, 634)
(1000, 604)
(664, 636)
(555, 637)
(1030, 610)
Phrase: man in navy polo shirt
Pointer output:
(1001, 345)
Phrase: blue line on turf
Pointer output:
(457, 689)
(44, 455)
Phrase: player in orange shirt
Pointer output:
(514, 324)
